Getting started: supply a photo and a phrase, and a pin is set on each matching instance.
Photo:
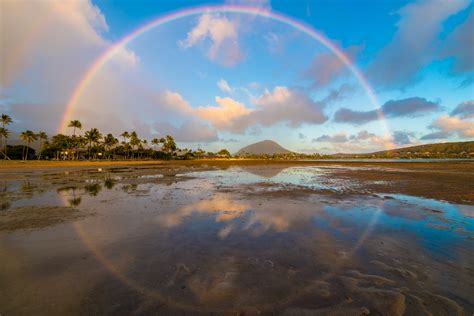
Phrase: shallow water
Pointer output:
(249, 239)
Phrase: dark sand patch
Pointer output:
(33, 217)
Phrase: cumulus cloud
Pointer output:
(224, 86)
(361, 142)
(337, 138)
(415, 43)
(408, 107)
(345, 115)
(446, 126)
(37, 40)
(460, 45)
(464, 110)
(281, 105)
(224, 114)
(223, 35)
(362, 135)
(340, 93)
(402, 138)
(189, 131)
(436, 135)
(327, 67)
(48, 34)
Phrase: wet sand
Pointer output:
(237, 237)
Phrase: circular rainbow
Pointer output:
(261, 12)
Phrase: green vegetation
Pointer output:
(4, 133)
(441, 150)
(93, 145)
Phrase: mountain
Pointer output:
(266, 147)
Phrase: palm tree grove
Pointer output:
(93, 145)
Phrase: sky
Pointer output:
(378, 74)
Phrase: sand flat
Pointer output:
(229, 237)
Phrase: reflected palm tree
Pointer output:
(93, 189)
(129, 187)
(4, 187)
(76, 201)
(4, 205)
(26, 187)
(73, 200)
(109, 183)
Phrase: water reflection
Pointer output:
(205, 243)
(74, 198)
(4, 205)
(93, 189)
(109, 183)
(267, 172)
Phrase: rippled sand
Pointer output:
(239, 238)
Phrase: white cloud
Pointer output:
(337, 138)
(464, 109)
(224, 86)
(327, 67)
(224, 114)
(361, 142)
(451, 124)
(46, 47)
(415, 42)
(460, 45)
(281, 105)
(190, 131)
(50, 34)
(223, 34)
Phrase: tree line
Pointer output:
(92, 144)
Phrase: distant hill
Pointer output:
(266, 147)
(440, 148)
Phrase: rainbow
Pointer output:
(109, 53)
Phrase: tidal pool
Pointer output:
(253, 239)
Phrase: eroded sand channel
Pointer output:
(296, 239)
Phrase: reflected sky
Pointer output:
(217, 239)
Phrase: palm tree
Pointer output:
(134, 140)
(92, 136)
(109, 142)
(169, 145)
(4, 133)
(6, 120)
(42, 136)
(155, 141)
(28, 137)
(125, 136)
(75, 124)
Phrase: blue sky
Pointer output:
(223, 80)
